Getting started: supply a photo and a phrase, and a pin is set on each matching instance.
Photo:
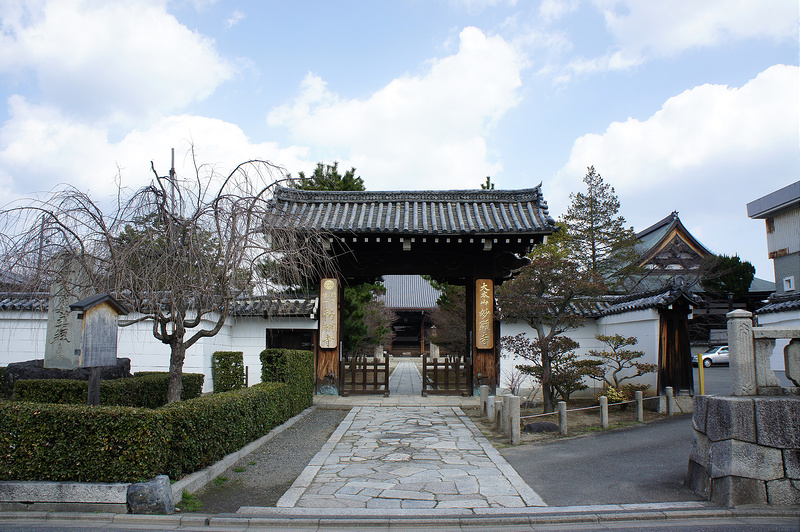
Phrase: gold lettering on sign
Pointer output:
(328, 314)
(484, 314)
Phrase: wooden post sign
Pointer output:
(328, 314)
(98, 315)
(484, 314)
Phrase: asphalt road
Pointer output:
(643, 463)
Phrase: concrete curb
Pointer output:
(198, 479)
(294, 518)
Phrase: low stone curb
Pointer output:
(524, 516)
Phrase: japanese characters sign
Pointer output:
(484, 314)
(328, 314)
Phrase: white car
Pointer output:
(714, 355)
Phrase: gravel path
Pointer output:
(261, 478)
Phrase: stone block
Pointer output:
(791, 463)
(152, 497)
(730, 417)
(736, 491)
(782, 493)
(697, 479)
(701, 450)
(778, 421)
(63, 492)
(699, 411)
(791, 358)
(741, 459)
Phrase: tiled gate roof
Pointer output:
(450, 212)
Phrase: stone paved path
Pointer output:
(408, 457)
(405, 379)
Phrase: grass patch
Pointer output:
(190, 502)
(239, 469)
(220, 481)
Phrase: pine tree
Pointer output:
(595, 234)
(327, 177)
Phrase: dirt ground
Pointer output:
(581, 422)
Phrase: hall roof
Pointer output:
(446, 212)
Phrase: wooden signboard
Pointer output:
(484, 314)
(328, 314)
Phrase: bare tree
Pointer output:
(179, 251)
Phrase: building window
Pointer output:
(788, 283)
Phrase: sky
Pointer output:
(681, 105)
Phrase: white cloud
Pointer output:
(234, 19)
(417, 126)
(668, 27)
(707, 153)
(42, 148)
(644, 29)
(115, 62)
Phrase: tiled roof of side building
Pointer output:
(449, 212)
(259, 306)
(783, 303)
(409, 292)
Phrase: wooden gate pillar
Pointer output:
(484, 341)
(328, 345)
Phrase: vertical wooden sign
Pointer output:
(328, 314)
(484, 314)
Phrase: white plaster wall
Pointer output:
(779, 319)
(643, 324)
(23, 336)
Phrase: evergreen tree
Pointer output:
(595, 235)
(728, 276)
(327, 177)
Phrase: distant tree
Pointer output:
(488, 185)
(366, 321)
(449, 317)
(327, 177)
(544, 295)
(566, 376)
(728, 276)
(614, 364)
(595, 234)
(179, 251)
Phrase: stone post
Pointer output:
(562, 417)
(670, 400)
(484, 399)
(639, 405)
(765, 377)
(507, 415)
(514, 420)
(604, 411)
(740, 340)
(490, 408)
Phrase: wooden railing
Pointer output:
(446, 376)
(364, 375)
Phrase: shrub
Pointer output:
(144, 390)
(124, 444)
(227, 368)
(79, 443)
(294, 367)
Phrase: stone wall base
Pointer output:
(746, 450)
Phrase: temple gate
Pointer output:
(472, 238)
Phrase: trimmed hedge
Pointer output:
(227, 370)
(122, 444)
(143, 390)
(294, 367)
(79, 443)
